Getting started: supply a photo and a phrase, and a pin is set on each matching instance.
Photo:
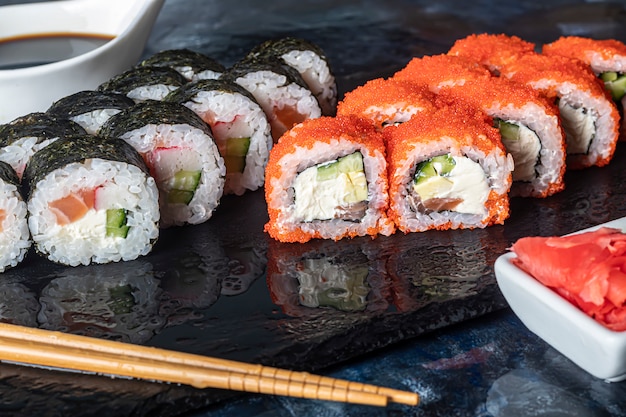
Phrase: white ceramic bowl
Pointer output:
(35, 88)
(593, 347)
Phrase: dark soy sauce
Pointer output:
(40, 49)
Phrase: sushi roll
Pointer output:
(25, 135)
(528, 123)
(190, 64)
(607, 59)
(280, 90)
(14, 234)
(588, 115)
(91, 200)
(90, 109)
(386, 102)
(326, 178)
(447, 170)
(239, 126)
(310, 61)
(143, 83)
(494, 51)
(178, 148)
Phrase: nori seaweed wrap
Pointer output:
(91, 199)
(90, 109)
(190, 64)
(178, 147)
(142, 83)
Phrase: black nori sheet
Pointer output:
(275, 48)
(8, 174)
(152, 112)
(173, 58)
(65, 151)
(40, 125)
(189, 91)
(87, 101)
(142, 76)
(250, 64)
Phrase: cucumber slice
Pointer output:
(508, 131)
(346, 164)
(116, 223)
(440, 165)
(615, 83)
(183, 186)
(235, 154)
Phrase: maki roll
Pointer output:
(190, 64)
(280, 90)
(386, 102)
(309, 60)
(178, 148)
(14, 234)
(91, 200)
(607, 59)
(90, 109)
(22, 137)
(326, 178)
(239, 126)
(589, 117)
(447, 170)
(143, 83)
(528, 123)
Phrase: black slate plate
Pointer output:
(226, 289)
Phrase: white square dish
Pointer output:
(595, 348)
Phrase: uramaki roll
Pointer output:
(528, 122)
(447, 170)
(327, 178)
(386, 102)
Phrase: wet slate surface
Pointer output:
(225, 289)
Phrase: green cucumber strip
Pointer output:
(116, 223)
(186, 180)
(349, 163)
(615, 83)
(440, 165)
(235, 154)
(179, 196)
(508, 131)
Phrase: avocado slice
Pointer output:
(508, 131)
(116, 223)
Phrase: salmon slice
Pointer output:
(284, 119)
(73, 206)
(3, 215)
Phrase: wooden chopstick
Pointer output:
(56, 349)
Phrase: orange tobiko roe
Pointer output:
(381, 93)
(584, 48)
(492, 50)
(304, 136)
(441, 69)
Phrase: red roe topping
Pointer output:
(441, 69)
(585, 48)
(493, 51)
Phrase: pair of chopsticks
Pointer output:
(66, 351)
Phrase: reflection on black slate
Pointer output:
(225, 289)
